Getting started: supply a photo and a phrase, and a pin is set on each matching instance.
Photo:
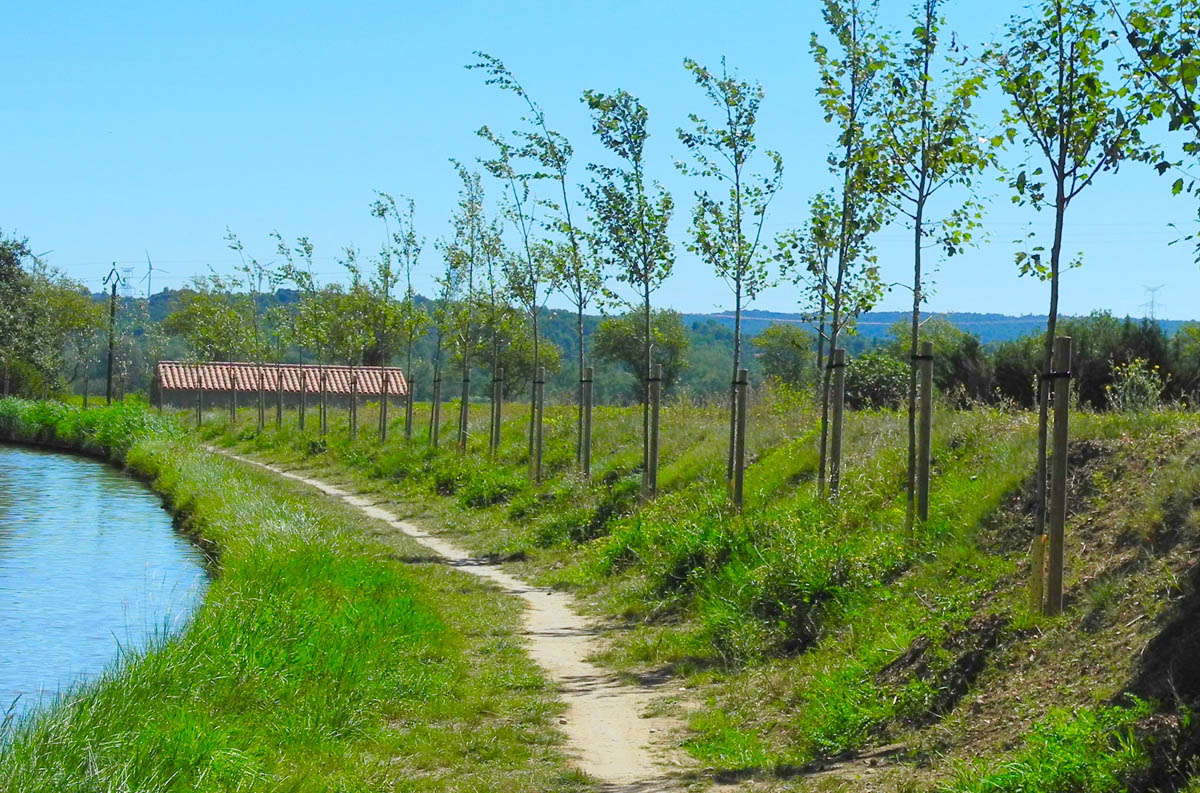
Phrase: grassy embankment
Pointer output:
(809, 630)
(319, 661)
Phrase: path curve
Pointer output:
(610, 738)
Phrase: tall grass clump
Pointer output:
(1094, 750)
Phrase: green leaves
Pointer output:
(630, 213)
(726, 230)
(1165, 69)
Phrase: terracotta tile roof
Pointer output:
(181, 376)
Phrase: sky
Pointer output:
(140, 130)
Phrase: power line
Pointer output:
(1152, 303)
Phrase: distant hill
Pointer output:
(876, 324)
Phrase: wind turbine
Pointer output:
(150, 268)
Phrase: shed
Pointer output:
(183, 380)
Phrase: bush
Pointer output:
(875, 380)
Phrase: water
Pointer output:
(90, 565)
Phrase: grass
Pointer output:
(807, 629)
(1094, 751)
(317, 662)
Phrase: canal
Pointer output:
(91, 568)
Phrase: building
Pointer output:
(179, 384)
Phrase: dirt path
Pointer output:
(609, 735)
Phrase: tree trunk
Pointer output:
(533, 390)
(913, 350)
(648, 349)
(821, 327)
(579, 401)
(464, 407)
(1047, 363)
(412, 391)
(733, 389)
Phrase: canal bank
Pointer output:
(318, 660)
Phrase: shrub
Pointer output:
(875, 380)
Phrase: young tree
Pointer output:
(350, 313)
(579, 280)
(528, 274)
(209, 317)
(463, 251)
(446, 319)
(412, 320)
(255, 276)
(1069, 115)
(726, 231)
(849, 84)
(495, 306)
(630, 215)
(301, 326)
(386, 316)
(927, 129)
(805, 257)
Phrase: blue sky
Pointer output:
(138, 127)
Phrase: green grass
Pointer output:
(319, 661)
(1092, 751)
(786, 621)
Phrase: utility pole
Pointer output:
(115, 278)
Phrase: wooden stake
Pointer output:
(540, 383)
(303, 409)
(655, 395)
(353, 404)
(464, 407)
(278, 397)
(586, 445)
(85, 392)
(324, 400)
(838, 364)
(1037, 577)
(199, 397)
(262, 405)
(1058, 475)
(233, 384)
(497, 409)
(408, 409)
(383, 410)
(739, 447)
(435, 413)
(925, 428)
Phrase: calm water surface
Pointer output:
(89, 565)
